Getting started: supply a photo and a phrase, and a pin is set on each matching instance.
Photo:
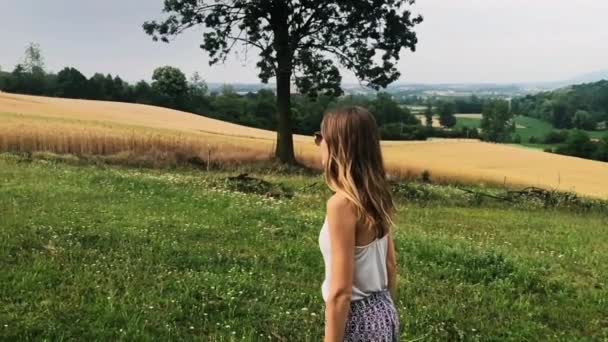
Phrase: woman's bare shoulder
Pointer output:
(338, 201)
(340, 206)
(341, 219)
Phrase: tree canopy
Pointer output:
(497, 121)
(303, 40)
(172, 85)
(446, 110)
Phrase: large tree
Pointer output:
(446, 112)
(428, 114)
(303, 40)
(171, 85)
(71, 83)
(601, 152)
(497, 121)
(33, 61)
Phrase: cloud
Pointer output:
(460, 41)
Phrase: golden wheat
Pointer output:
(29, 123)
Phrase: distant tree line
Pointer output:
(576, 143)
(470, 104)
(583, 106)
(579, 144)
(172, 89)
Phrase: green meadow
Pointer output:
(528, 127)
(96, 252)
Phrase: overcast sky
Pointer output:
(459, 41)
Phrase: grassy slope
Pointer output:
(469, 122)
(114, 253)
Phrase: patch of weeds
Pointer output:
(250, 185)
(413, 192)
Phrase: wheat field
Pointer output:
(31, 123)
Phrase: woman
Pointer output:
(356, 240)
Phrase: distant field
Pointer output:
(473, 118)
(422, 120)
(527, 127)
(470, 122)
(80, 127)
(534, 128)
(416, 109)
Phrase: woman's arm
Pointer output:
(342, 222)
(391, 268)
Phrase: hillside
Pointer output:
(582, 106)
(590, 77)
(54, 123)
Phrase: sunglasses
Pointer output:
(318, 138)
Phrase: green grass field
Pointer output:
(532, 127)
(112, 253)
(469, 122)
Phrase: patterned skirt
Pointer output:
(373, 318)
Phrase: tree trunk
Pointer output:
(284, 149)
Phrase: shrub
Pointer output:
(556, 137)
(426, 176)
(391, 131)
(517, 139)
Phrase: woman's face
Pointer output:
(323, 146)
(324, 152)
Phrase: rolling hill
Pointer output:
(82, 126)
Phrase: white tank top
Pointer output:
(370, 274)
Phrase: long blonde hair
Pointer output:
(355, 165)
